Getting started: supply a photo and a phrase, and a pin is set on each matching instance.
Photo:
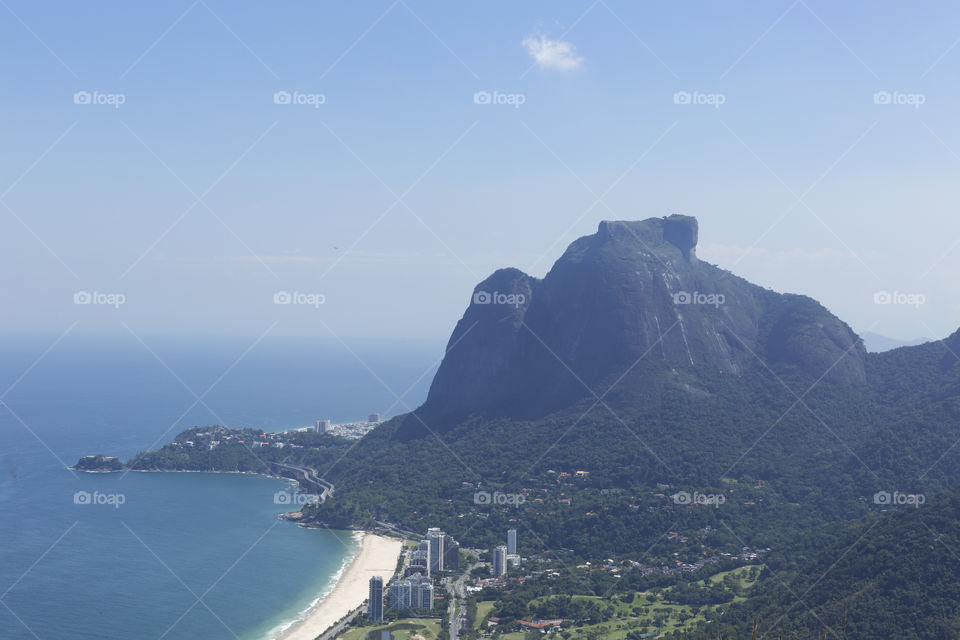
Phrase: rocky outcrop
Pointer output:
(631, 297)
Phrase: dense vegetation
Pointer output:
(895, 578)
(760, 429)
(594, 606)
(806, 509)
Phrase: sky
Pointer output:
(355, 169)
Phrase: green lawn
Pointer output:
(626, 620)
(403, 629)
(483, 610)
(740, 573)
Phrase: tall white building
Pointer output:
(421, 557)
(400, 595)
(415, 592)
(435, 536)
(421, 592)
(500, 561)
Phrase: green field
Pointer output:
(403, 629)
(658, 614)
(740, 573)
(483, 610)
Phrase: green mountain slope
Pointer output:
(640, 365)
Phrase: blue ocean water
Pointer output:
(169, 555)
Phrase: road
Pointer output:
(332, 632)
(309, 478)
(396, 529)
(457, 591)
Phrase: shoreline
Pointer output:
(376, 556)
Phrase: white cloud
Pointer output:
(553, 54)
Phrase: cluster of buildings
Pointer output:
(506, 555)
(349, 430)
(414, 592)
(214, 437)
(437, 552)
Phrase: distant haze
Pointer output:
(184, 164)
(876, 343)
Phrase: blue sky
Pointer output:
(390, 191)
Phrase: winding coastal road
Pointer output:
(308, 477)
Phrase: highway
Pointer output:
(332, 632)
(403, 532)
(457, 591)
(309, 479)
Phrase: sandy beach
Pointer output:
(377, 557)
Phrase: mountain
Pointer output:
(642, 405)
(632, 292)
(596, 408)
(876, 343)
(642, 367)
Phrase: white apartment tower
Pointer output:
(435, 537)
(500, 561)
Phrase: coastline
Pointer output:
(377, 556)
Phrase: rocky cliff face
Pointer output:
(631, 297)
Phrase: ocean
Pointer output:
(170, 555)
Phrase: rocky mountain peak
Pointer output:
(631, 297)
